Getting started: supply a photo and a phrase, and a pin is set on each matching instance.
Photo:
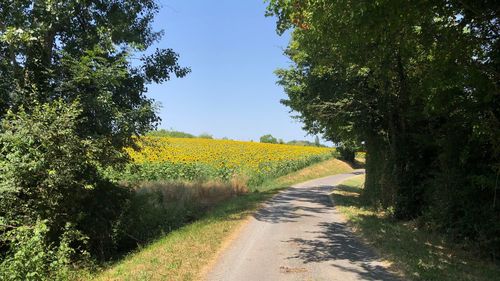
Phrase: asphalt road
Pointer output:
(298, 235)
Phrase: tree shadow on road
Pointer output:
(282, 208)
(333, 242)
(336, 242)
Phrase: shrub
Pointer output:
(32, 257)
(49, 172)
(46, 169)
(347, 154)
(170, 134)
(268, 139)
(102, 220)
(206, 136)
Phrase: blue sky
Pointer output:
(232, 49)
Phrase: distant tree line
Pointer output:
(270, 139)
(417, 81)
(177, 134)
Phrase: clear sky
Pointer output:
(232, 49)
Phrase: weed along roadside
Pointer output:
(184, 253)
(417, 253)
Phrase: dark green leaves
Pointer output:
(158, 66)
(418, 82)
(70, 101)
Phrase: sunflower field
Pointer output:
(196, 159)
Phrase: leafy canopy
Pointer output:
(73, 82)
(82, 50)
(268, 139)
(417, 82)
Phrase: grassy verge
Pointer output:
(420, 255)
(326, 168)
(184, 253)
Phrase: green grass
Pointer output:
(418, 254)
(185, 253)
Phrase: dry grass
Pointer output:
(204, 194)
(212, 192)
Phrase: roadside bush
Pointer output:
(46, 169)
(347, 154)
(150, 215)
(49, 172)
(105, 208)
(31, 256)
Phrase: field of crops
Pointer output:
(202, 159)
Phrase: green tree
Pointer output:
(170, 134)
(78, 50)
(417, 81)
(43, 164)
(70, 100)
(205, 136)
(268, 139)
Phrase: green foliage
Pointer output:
(32, 257)
(102, 215)
(418, 82)
(46, 168)
(205, 136)
(268, 139)
(152, 213)
(304, 143)
(346, 153)
(48, 172)
(80, 51)
(70, 101)
(169, 133)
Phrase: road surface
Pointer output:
(298, 235)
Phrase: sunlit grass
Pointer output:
(318, 170)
